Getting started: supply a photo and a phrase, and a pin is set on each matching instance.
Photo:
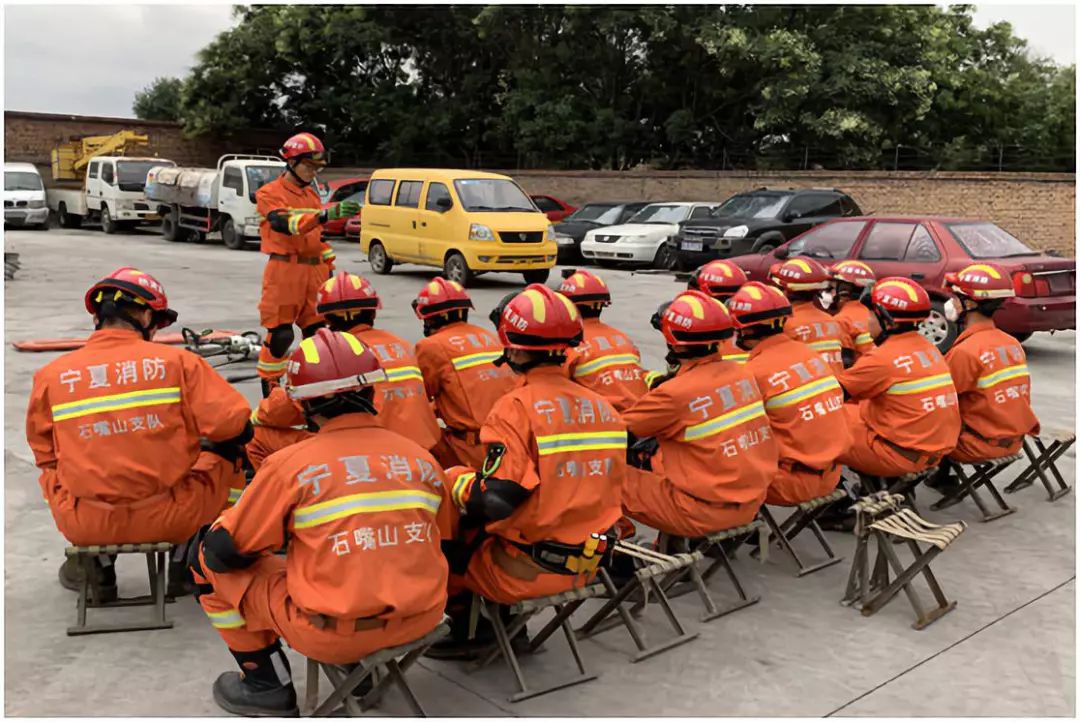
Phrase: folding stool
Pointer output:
(565, 604)
(982, 476)
(804, 517)
(157, 559)
(650, 564)
(385, 667)
(884, 517)
(1046, 459)
(903, 485)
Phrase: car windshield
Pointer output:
(131, 174)
(752, 205)
(986, 240)
(660, 213)
(260, 175)
(595, 213)
(21, 181)
(492, 194)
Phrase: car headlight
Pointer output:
(736, 232)
(551, 235)
(564, 240)
(480, 232)
(36, 204)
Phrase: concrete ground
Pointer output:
(1007, 649)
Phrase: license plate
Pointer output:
(691, 245)
(152, 217)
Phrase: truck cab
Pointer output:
(113, 192)
(241, 177)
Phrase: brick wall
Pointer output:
(30, 137)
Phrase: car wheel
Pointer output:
(539, 275)
(665, 258)
(455, 268)
(766, 248)
(230, 237)
(170, 231)
(197, 236)
(108, 225)
(939, 330)
(378, 260)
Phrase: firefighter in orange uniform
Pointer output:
(457, 361)
(535, 519)
(607, 361)
(115, 428)
(989, 371)
(907, 419)
(803, 280)
(849, 278)
(298, 260)
(717, 455)
(359, 510)
(348, 303)
(279, 422)
(803, 399)
(721, 279)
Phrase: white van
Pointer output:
(24, 196)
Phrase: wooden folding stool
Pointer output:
(157, 561)
(804, 517)
(982, 475)
(1043, 461)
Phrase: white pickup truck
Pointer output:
(196, 201)
(112, 193)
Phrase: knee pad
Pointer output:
(279, 340)
(309, 331)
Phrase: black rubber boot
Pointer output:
(263, 688)
(103, 583)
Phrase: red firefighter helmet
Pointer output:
(981, 281)
(330, 363)
(758, 303)
(303, 145)
(718, 278)
(440, 296)
(582, 286)
(900, 299)
(131, 285)
(539, 319)
(695, 318)
(346, 292)
(771, 275)
(856, 273)
(802, 274)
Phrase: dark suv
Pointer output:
(757, 222)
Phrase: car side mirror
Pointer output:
(788, 217)
(443, 204)
(782, 252)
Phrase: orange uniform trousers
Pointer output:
(288, 292)
(794, 486)
(652, 499)
(871, 455)
(261, 596)
(971, 448)
(172, 516)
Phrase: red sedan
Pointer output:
(352, 229)
(553, 208)
(925, 248)
(342, 189)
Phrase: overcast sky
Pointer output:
(120, 49)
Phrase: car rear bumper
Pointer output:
(1027, 315)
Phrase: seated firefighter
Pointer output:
(349, 304)
(849, 278)
(115, 428)
(359, 511)
(535, 519)
(803, 400)
(989, 371)
(717, 455)
(803, 281)
(720, 279)
(606, 361)
(907, 419)
(457, 360)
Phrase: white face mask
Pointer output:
(826, 298)
(952, 310)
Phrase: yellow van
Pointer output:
(465, 222)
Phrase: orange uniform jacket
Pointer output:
(854, 319)
(402, 401)
(804, 404)
(715, 441)
(360, 507)
(608, 363)
(457, 362)
(567, 445)
(907, 394)
(819, 330)
(989, 370)
(299, 208)
(730, 352)
(120, 418)
(279, 422)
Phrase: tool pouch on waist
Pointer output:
(569, 559)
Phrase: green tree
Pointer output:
(159, 101)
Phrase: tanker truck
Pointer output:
(194, 202)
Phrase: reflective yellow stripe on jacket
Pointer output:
(1006, 374)
(587, 441)
(374, 501)
(404, 373)
(592, 367)
(116, 402)
(802, 393)
(919, 385)
(724, 421)
(475, 359)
